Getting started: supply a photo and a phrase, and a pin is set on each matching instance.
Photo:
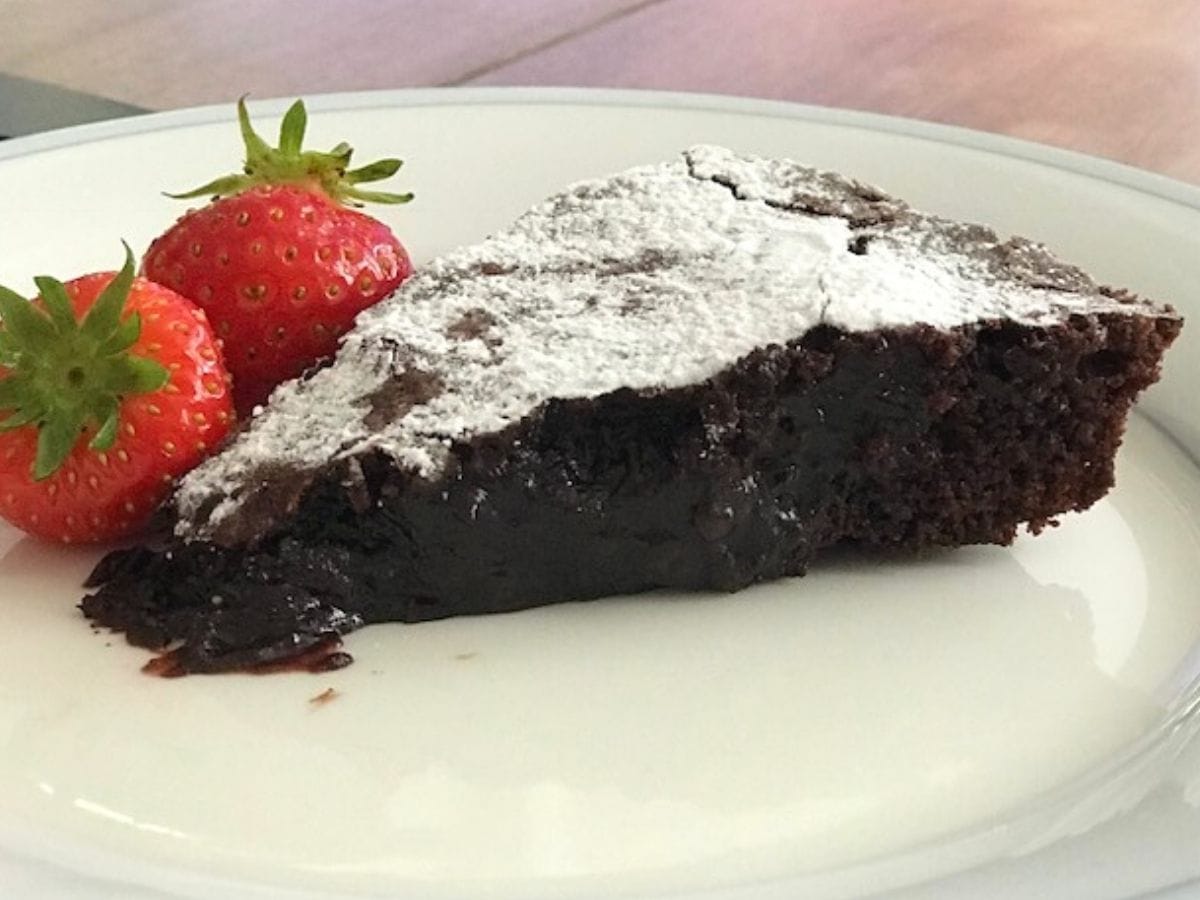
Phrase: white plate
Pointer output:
(985, 722)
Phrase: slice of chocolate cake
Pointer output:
(691, 375)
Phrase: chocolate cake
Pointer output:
(693, 375)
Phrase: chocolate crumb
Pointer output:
(324, 697)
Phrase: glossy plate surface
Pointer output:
(980, 719)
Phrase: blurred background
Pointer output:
(1117, 78)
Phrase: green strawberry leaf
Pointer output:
(101, 321)
(376, 196)
(139, 375)
(8, 351)
(109, 417)
(376, 171)
(291, 132)
(12, 296)
(54, 295)
(11, 390)
(256, 147)
(124, 337)
(63, 374)
(218, 187)
(21, 418)
(56, 439)
(290, 164)
(23, 321)
(341, 153)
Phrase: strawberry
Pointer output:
(114, 387)
(279, 262)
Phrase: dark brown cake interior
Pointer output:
(904, 439)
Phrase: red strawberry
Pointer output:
(279, 263)
(114, 386)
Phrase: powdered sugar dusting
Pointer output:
(655, 278)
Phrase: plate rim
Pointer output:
(1158, 186)
(1163, 187)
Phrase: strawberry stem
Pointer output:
(64, 375)
(290, 164)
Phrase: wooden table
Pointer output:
(1119, 78)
